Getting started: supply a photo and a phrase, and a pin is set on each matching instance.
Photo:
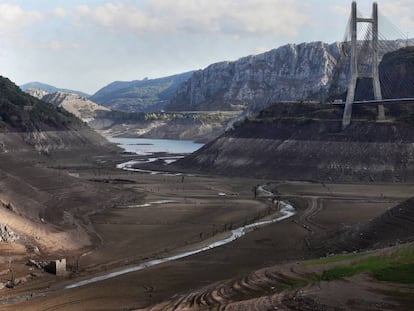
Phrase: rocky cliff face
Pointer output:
(398, 77)
(305, 142)
(307, 71)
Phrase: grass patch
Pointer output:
(367, 265)
(398, 274)
(332, 259)
(397, 268)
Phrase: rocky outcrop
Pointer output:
(306, 142)
(38, 93)
(307, 71)
(7, 235)
(83, 108)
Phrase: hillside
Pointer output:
(83, 108)
(50, 88)
(398, 72)
(189, 126)
(110, 123)
(34, 134)
(140, 95)
(305, 142)
(393, 226)
(43, 126)
(306, 71)
(22, 112)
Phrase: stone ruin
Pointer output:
(57, 267)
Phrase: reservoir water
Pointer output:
(148, 146)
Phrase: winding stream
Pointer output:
(286, 210)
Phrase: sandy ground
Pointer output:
(133, 233)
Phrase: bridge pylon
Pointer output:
(355, 73)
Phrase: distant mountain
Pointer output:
(145, 95)
(50, 88)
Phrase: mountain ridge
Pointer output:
(144, 95)
(50, 88)
(306, 71)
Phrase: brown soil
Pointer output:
(128, 233)
(274, 288)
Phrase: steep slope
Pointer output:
(41, 125)
(398, 69)
(140, 95)
(49, 88)
(305, 141)
(315, 71)
(394, 226)
(36, 200)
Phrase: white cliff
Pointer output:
(306, 71)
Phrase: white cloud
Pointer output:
(340, 10)
(52, 45)
(399, 19)
(59, 12)
(408, 23)
(120, 17)
(396, 8)
(13, 18)
(275, 17)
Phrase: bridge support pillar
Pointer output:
(355, 74)
(375, 59)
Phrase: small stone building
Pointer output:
(57, 267)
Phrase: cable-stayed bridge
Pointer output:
(365, 40)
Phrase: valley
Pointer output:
(194, 213)
(273, 204)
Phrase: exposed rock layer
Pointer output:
(305, 142)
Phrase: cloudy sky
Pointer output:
(86, 44)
